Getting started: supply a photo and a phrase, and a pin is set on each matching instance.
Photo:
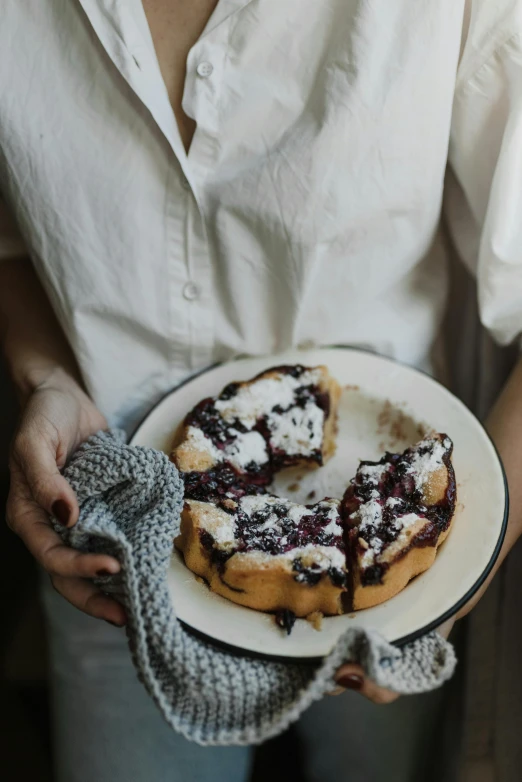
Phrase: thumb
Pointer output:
(35, 459)
(352, 677)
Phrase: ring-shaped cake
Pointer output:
(272, 554)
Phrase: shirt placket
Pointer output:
(205, 65)
(189, 268)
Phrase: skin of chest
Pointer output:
(175, 26)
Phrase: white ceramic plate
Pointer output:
(382, 406)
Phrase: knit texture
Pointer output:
(130, 503)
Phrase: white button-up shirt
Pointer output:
(308, 207)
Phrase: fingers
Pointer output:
(337, 691)
(445, 629)
(352, 677)
(32, 525)
(68, 568)
(48, 431)
(87, 598)
(33, 461)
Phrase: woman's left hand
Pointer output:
(351, 677)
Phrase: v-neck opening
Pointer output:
(223, 10)
(219, 14)
(131, 40)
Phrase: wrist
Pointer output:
(30, 378)
(32, 341)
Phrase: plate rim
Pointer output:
(425, 629)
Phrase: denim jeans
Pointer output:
(107, 729)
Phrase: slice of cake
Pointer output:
(268, 553)
(283, 417)
(398, 510)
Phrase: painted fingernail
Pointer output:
(61, 512)
(351, 681)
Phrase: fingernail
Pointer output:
(61, 512)
(351, 681)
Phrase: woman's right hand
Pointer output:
(55, 419)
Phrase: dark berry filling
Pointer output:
(311, 575)
(205, 417)
(285, 620)
(306, 575)
(254, 534)
(217, 555)
(294, 370)
(374, 574)
(220, 483)
(285, 535)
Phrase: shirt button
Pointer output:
(204, 69)
(191, 291)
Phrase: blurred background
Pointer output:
(24, 724)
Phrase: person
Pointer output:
(185, 181)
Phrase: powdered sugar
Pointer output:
(258, 399)
(369, 519)
(313, 557)
(310, 377)
(247, 448)
(259, 503)
(334, 525)
(407, 521)
(373, 473)
(218, 523)
(253, 503)
(368, 515)
(376, 545)
(423, 465)
(297, 430)
(370, 522)
(319, 557)
(196, 440)
(296, 512)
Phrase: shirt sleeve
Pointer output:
(12, 244)
(483, 198)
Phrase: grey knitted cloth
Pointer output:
(130, 502)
